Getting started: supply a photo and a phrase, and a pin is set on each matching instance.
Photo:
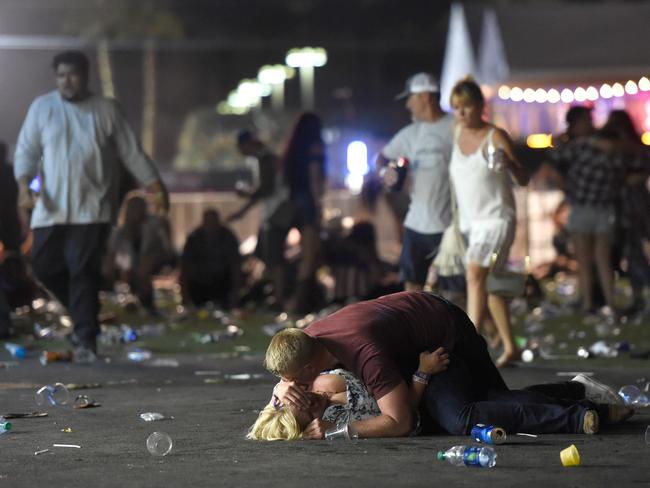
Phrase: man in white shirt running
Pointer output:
(427, 144)
(75, 140)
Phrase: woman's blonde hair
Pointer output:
(467, 92)
(275, 425)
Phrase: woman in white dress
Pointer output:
(482, 161)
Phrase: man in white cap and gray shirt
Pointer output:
(426, 143)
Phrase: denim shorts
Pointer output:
(418, 250)
(590, 219)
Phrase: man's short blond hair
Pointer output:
(289, 351)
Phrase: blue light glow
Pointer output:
(357, 158)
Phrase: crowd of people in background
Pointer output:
(460, 166)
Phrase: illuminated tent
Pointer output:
(537, 60)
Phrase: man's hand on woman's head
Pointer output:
(434, 362)
(290, 394)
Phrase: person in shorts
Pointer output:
(426, 143)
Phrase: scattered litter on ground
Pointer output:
(164, 363)
(138, 355)
(84, 401)
(28, 415)
(243, 376)
(47, 357)
(42, 451)
(154, 416)
(207, 372)
(82, 386)
(56, 394)
(72, 446)
(4, 425)
(633, 397)
(159, 444)
(570, 456)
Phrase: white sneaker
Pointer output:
(598, 392)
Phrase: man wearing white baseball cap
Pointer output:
(427, 144)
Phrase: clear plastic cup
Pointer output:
(56, 394)
(159, 444)
(342, 432)
(633, 396)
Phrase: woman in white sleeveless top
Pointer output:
(486, 205)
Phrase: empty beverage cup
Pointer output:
(633, 396)
(159, 444)
(56, 394)
(570, 456)
(342, 432)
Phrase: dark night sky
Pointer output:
(373, 46)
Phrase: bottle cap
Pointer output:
(6, 425)
(441, 455)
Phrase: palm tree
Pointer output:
(145, 20)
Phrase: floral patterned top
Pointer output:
(360, 405)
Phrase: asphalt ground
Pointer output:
(212, 412)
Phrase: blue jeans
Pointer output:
(472, 391)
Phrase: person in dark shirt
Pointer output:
(380, 341)
(304, 166)
(593, 176)
(211, 264)
(10, 260)
(277, 213)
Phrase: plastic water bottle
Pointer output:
(633, 396)
(16, 350)
(488, 434)
(159, 444)
(138, 355)
(478, 456)
(56, 394)
(4, 425)
(128, 334)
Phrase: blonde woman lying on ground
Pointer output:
(337, 397)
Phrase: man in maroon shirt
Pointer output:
(380, 342)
